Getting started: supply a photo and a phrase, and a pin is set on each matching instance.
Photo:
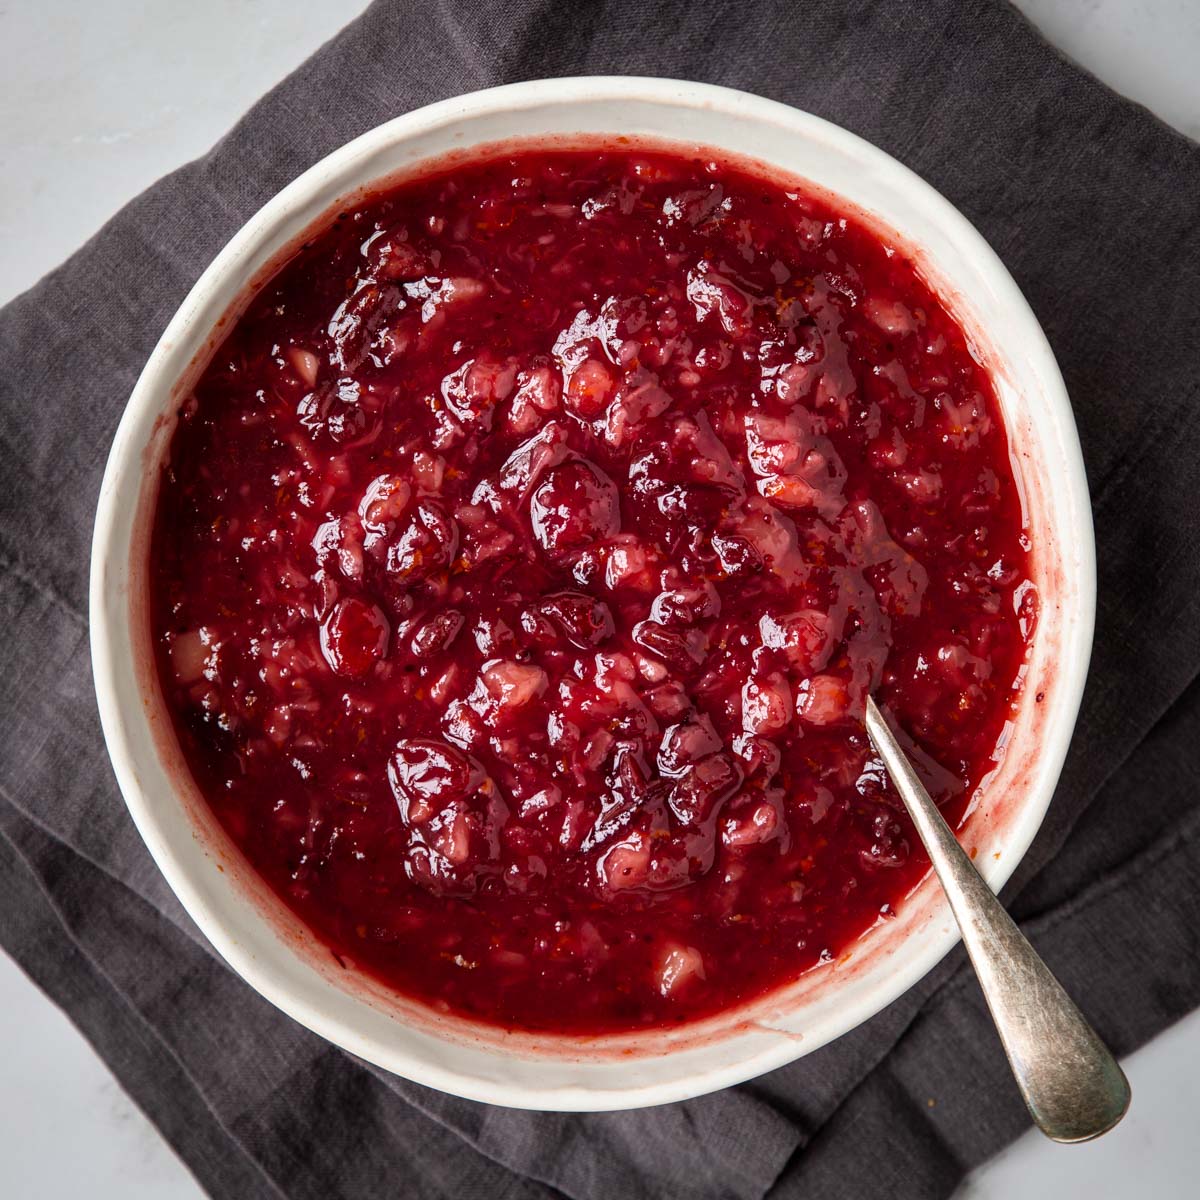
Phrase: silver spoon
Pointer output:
(1071, 1084)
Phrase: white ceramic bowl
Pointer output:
(251, 929)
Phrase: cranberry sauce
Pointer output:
(525, 556)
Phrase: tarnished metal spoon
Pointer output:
(1071, 1083)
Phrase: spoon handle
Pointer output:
(1071, 1083)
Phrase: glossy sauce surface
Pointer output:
(524, 558)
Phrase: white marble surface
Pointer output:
(97, 101)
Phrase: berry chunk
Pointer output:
(426, 775)
(354, 637)
(427, 544)
(574, 507)
(584, 620)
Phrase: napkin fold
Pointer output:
(1089, 200)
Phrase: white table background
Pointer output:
(100, 98)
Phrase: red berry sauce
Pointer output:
(526, 553)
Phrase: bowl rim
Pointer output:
(125, 457)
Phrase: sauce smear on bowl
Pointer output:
(523, 559)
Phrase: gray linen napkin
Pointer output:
(1092, 204)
